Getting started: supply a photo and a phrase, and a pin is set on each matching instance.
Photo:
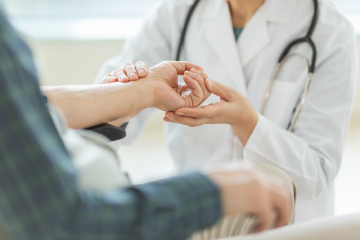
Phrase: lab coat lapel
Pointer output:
(219, 33)
(255, 35)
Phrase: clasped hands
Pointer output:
(181, 101)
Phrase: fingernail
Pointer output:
(210, 83)
(123, 78)
(141, 72)
(196, 71)
(133, 76)
(192, 74)
(171, 118)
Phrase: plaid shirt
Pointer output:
(38, 194)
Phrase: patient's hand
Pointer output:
(246, 190)
(169, 95)
(129, 72)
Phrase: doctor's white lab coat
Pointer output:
(311, 155)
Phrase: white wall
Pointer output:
(356, 111)
(72, 62)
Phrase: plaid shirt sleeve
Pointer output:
(38, 194)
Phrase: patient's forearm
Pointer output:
(89, 105)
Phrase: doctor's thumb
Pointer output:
(219, 90)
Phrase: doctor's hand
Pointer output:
(169, 94)
(129, 72)
(245, 190)
(233, 109)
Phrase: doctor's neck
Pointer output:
(243, 10)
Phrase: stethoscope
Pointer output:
(284, 57)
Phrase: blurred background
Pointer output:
(70, 40)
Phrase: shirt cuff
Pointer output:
(257, 135)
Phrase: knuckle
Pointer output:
(118, 71)
(204, 114)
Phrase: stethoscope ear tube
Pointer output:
(297, 41)
(184, 30)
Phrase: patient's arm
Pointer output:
(89, 105)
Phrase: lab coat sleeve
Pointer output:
(311, 155)
(152, 46)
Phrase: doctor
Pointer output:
(311, 153)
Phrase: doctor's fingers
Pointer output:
(141, 69)
(120, 75)
(181, 67)
(221, 90)
(187, 121)
(191, 122)
(115, 76)
(208, 111)
(108, 79)
(130, 71)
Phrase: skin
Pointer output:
(89, 105)
(233, 109)
(243, 10)
(124, 74)
(245, 189)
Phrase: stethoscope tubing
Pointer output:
(306, 39)
(184, 31)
